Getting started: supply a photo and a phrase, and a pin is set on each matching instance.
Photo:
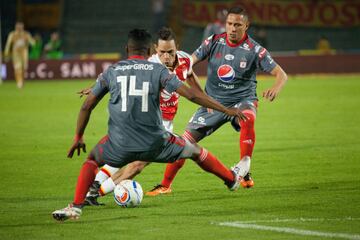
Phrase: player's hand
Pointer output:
(271, 93)
(235, 112)
(77, 145)
(83, 92)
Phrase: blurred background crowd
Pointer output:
(91, 26)
(91, 29)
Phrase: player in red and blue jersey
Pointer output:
(233, 61)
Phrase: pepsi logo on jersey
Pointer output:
(226, 73)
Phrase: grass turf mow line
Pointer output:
(294, 231)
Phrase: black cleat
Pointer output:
(92, 201)
(92, 195)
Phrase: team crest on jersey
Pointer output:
(243, 63)
(226, 73)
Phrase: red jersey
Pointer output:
(169, 101)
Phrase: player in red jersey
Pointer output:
(177, 62)
(233, 60)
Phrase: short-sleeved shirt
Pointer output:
(232, 68)
(135, 122)
(169, 101)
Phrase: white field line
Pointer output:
(290, 230)
(279, 220)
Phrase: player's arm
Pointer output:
(202, 52)
(97, 93)
(281, 78)
(193, 81)
(30, 39)
(9, 42)
(204, 100)
(195, 59)
(83, 118)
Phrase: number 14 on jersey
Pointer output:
(143, 93)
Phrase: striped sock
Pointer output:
(105, 172)
(107, 187)
(210, 163)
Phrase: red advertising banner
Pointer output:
(43, 15)
(307, 13)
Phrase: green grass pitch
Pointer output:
(306, 167)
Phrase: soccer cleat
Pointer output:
(159, 189)
(70, 212)
(247, 181)
(233, 186)
(92, 201)
(92, 195)
(239, 171)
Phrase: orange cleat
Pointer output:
(247, 181)
(159, 189)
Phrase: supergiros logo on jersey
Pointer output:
(226, 73)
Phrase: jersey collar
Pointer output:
(237, 44)
(136, 57)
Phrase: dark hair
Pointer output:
(238, 10)
(139, 40)
(165, 34)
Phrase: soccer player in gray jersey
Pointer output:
(233, 61)
(135, 129)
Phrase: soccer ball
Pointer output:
(128, 193)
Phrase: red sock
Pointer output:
(171, 171)
(247, 134)
(85, 179)
(172, 168)
(210, 163)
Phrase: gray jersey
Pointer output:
(135, 122)
(232, 68)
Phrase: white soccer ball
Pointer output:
(128, 193)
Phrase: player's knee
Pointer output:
(138, 166)
(189, 136)
(180, 163)
(191, 150)
(249, 123)
(200, 154)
